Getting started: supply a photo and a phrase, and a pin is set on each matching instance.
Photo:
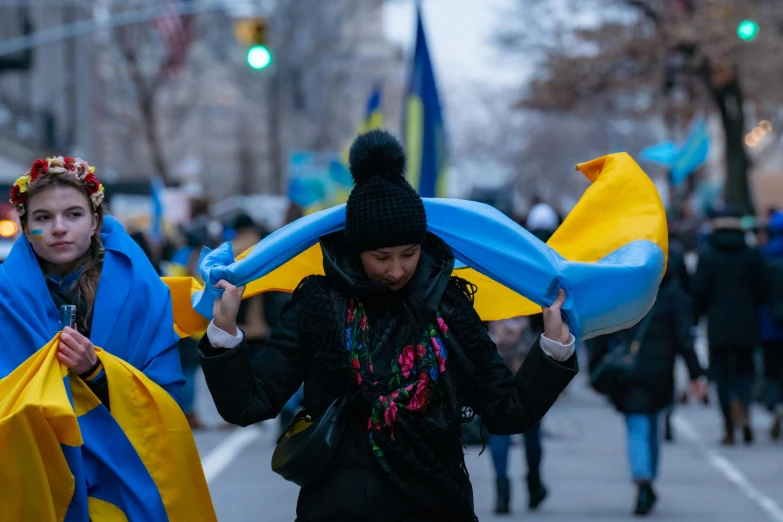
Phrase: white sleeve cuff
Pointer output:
(221, 339)
(557, 351)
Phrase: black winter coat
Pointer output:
(729, 288)
(250, 387)
(668, 335)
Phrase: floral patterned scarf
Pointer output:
(413, 378)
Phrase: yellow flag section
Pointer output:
(65, 457)
(620, 206)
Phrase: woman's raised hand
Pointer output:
(555, 327)
(226, 308)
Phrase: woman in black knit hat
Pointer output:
(389, 326)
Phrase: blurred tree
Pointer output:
(532, 152)
(144, 58)
(653, 57)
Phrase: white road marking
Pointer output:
(229, 449)
(729, 471)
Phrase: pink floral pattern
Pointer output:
(414, 374)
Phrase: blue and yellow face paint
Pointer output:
(36, 233)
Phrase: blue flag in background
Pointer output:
(373, 116)
(156, 191)
(682, 159)
(425, 137)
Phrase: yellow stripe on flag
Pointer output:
(620, 206)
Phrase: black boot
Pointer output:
(645, 499)
(668, 433)
(502, 495)
(775, 430)
(536, 493)
(728, 438)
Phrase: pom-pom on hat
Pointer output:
(383, 209)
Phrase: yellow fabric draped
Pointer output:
(620, 206)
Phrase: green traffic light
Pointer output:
(259, 57)
(748, 30)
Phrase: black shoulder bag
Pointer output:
(307, 446)
(615, 369)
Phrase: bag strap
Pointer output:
(641, 332)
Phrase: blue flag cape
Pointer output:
(107, 466)
(609, 255)
(132, 316)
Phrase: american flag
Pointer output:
(176, 32)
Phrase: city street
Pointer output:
(584, 467)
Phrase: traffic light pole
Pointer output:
(84, 27)
(274, 129)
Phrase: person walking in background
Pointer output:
(729, 288)
(251, 318)
(542, 221)
(771, 318)
(662, 335)
(509, 336)
(184, 263)
(678, 270)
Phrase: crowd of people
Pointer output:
(387, 342)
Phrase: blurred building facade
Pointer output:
(219, 124)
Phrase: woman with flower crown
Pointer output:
(72, 253)
(388, 326)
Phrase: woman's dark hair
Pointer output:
(86, 286)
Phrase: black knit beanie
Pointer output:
(383, 209)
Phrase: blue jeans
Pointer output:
(500, 444)
(644, 446)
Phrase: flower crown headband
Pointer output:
(76, 167)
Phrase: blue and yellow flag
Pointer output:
(65, 457)
(609, 255)
(425, 136)
(373, 119)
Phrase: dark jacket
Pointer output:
(250, 387)
(729, 288)
(771, 332)
(666, 335)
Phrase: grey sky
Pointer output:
(458, 33)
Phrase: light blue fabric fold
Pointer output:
(601, 297)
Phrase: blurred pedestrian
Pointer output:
(648, 390)
(729, 288)
(251, 318)
(509, 336)
(772, 323)
(184, 263)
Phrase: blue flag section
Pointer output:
(65, 455)
(682, 159)
(425, 136)
(609, 267)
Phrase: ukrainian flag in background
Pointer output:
(373, 119)
(425, 136)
